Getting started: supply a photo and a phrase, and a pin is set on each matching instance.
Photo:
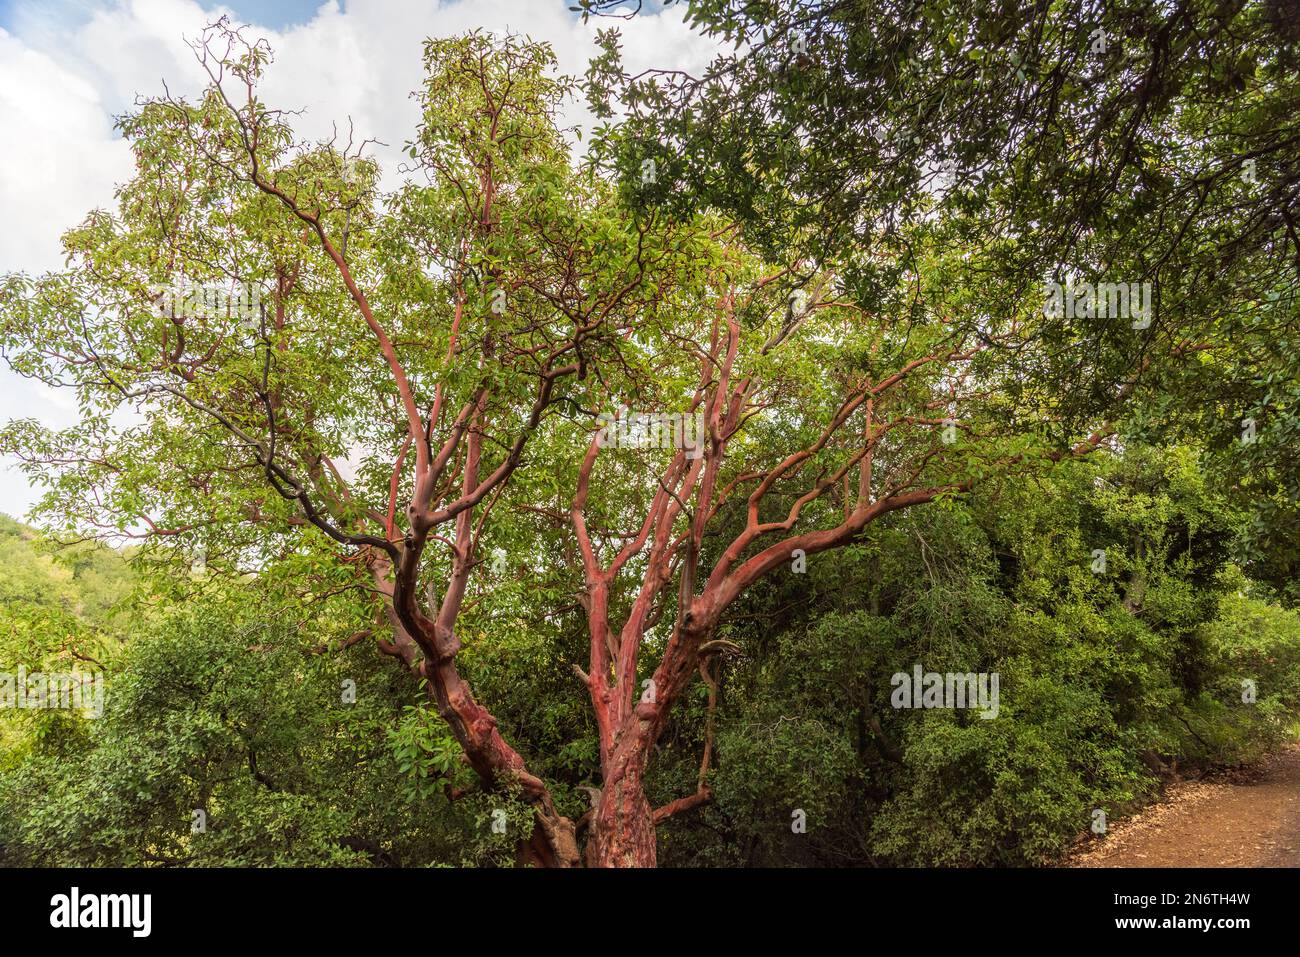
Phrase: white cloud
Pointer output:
(61, 157)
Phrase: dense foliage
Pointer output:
(222, 705)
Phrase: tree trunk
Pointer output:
(553, 842)
(622, 827)
(623, 824)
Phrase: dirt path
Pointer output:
(1248, 818)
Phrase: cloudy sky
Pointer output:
(67, 67)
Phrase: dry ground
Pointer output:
(1246, 818)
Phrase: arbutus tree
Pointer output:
(940, 164)
(252, 315)
(816, 419)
